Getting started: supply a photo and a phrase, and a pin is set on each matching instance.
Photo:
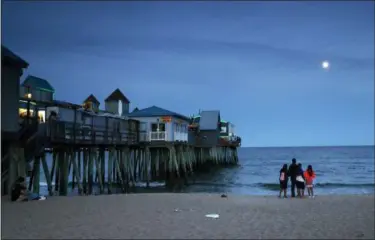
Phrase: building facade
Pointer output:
(11, 70)
(162, 125)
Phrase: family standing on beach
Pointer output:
(299, 179)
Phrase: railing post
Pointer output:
(92, 130)
(106, 130)
(138, 131)
(74, 125)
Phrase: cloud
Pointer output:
(113, 36)
(118, 45)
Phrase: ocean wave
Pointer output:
(268, 186)
(276, 186)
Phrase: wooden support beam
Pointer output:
(36, 180)
(47, 174)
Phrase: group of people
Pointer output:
(20, 194)
(299, 179)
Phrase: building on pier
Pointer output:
(35, 89)
(117, 103)
(12, 67)
(40, 89)
(209, 129)
(162, 125)
(91, 103)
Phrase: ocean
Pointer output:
(339, 170)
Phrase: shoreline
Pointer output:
(182, 215)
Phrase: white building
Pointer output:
(159, 124)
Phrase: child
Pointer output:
(283, 180)
(309, 175)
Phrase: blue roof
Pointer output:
(38, 83)
(155, 111)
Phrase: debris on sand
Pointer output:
(212, 215)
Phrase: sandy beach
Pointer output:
(171, 216)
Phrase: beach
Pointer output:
(169, 216)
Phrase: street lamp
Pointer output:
(28, 95)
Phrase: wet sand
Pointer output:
(167, 216)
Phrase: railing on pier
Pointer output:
(233, 141)
(68, 132)
(74, 125)
(158, 136)
(180, 136)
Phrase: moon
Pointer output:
(325, 64)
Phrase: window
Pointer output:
(183, 128)
(158, 127)
(223, 129)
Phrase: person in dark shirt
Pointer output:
(19, 190)
(292, 173)
(20, 193)
(283, 180)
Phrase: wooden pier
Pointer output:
(123, 166)
(113, 156)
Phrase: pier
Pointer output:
(112, 148)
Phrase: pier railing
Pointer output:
(233, 141)
(158, 136)
(74, 133)
(180, 136)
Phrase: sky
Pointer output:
(259, 63)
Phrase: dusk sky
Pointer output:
(258, 63)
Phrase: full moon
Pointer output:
(325, 64)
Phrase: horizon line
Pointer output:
(311, 146)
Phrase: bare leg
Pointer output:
(312, 192)
(280, 192)
(285, 193)
(302, 193)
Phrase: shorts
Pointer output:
(310, 186)
(300, 185)
(283, 184)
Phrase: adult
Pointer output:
(52, 125)
(300, 182)
(20, 193)
(292, 173)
